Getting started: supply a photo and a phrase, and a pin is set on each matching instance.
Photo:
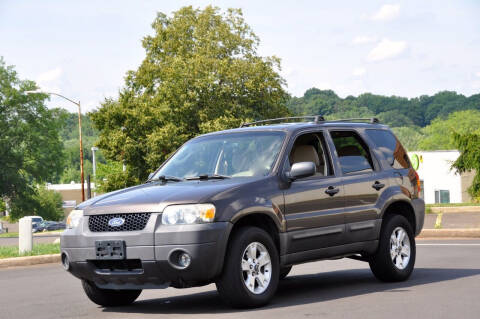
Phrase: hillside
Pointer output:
(392, 110)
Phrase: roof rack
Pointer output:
(372, 120)
(316, 120)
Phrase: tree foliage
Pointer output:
(68, 123)
(49, 204)
(30, 148)
(439, 135)
(392, 110)
(469, 145)
(201, 73)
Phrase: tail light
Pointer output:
(419, 186)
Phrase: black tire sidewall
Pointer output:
(382, 264)
(231, 284)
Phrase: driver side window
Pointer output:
(310, 147)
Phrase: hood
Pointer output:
(154, 197)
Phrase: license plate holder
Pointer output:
(110, 249)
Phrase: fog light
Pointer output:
(184, 260)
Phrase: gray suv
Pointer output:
(240, 207)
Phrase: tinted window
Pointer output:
(352, 152)
(390, 147)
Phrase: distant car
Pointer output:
(49, 226)
(36, 220)
(55, 226)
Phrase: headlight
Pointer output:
(74, 218)
(188, 214)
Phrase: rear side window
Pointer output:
(353, 153)
(390, 147)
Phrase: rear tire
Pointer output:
(395, 257)
(251, 270)
(109, 297)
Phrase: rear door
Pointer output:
(364, 183)
(314, 205)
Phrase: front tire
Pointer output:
(109, 297)
(251, 272)
(395, 257)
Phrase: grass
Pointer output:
(38, 249)
(10, 235)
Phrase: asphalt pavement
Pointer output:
(445, 284)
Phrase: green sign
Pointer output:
(415, 161)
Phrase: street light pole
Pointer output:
(81, 150)
(79, 132)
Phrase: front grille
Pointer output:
(134, 221)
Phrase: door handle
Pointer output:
(378, 186)
(332, 190)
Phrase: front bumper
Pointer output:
(149, 253)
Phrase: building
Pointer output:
(440, 182)
(71, 194)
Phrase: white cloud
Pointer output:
(50, 76)
(359, 71)
(387, 12)
(50, 80)
(364, 40)
(387, 49)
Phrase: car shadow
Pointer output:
(298, 290)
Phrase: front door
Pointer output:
(314, 205)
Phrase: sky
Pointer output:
(83, 49)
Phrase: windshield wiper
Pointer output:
(163, 178)
(207, 176)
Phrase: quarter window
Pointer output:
(352, 152)
(390, 147)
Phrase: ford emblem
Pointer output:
(116, 222)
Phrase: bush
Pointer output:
(49, 204)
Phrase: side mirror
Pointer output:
(302, 169)
(150, 175)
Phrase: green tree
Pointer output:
(439, 134)
(30, 148)
(409, 136)
(201, 72)
(49, 204)
(110, 177)
(469, 145)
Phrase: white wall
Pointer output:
(436, 174)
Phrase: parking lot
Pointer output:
(445, 284)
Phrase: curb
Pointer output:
(451, 233)
(29, 260)
(455, 209)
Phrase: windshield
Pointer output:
(235, 154)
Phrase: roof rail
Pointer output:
(372, 120)
(316, 119)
